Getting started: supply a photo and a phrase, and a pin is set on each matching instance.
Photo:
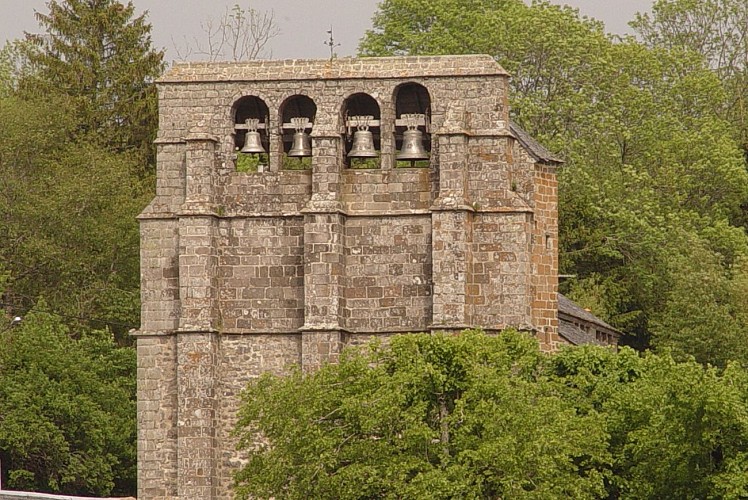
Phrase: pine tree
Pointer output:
(100, 54)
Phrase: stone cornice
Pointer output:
(337, 69)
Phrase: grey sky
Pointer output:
(302, 23)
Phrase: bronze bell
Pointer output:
(301, 147)
(252, 143)
(412, 148)
(363, 145)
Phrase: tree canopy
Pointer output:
(69, 216)
(716, 31)
(66, 409)
(78, 114)
(430, 416)
(477, 416)
(654, 180)
(652, 216)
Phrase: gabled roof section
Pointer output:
(573, 334)
(536, 150)
(579, 326)
(570, 308)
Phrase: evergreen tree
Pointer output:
(99, 53)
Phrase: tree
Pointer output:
(651, 168)
(13, 66)
(429, 416)
(97, 53)
(675, 429)
(79, 116)
(68, 222)
(477, 416)
(652, 174)
(67, 410)
(548, 49)
(238, 35)
(714, 29)
(711, 328)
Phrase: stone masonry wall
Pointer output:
(249, 272)
(242, 358)
(500, 272)
(157, 417)
(401, 190)
(388, 274)
(284, 192)
(544, 271)
(261, 274)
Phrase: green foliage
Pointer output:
(13, 66)
(247, 162)
(291, 163)
(548, 50)
(680, 431)
(67, 410)
(78, 119)
(475, 416)
(715, 30)
(652, 171)
(78, 114)
(437, 416)
(69, 224)
(653, 175)
(364, 163)
(703, 315)
(676, 430)
(101, 56)
(412, 164)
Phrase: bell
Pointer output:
(301, 146)
(363, 145)
(252, 143)
(412, 148)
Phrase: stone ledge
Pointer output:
(336, 69)
(143, 333)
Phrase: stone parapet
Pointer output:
(337, 69)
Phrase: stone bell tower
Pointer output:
(303, 206)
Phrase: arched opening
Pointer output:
(251, 139)
(297, 119)
(412, 125)
(362, 131)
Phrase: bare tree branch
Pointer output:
(239, 34)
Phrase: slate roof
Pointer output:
(568, 312)
(571, 308)
(573, 334)
(536, 150)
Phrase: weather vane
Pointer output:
(331, 43)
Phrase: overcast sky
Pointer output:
(303, 24)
